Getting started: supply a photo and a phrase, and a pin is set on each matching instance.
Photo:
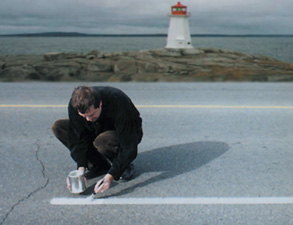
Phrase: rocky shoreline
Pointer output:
(202, 64)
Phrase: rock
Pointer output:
(59, 71)
(20, 73)
(147, 67)
(184, 72)
(51, 56)
(191, 51)
(90, 57)
(204, 64)
(55, 56)
(125, 65)
(167, 52)
(98, 66)
(94, 53)
(2, 65)
(280, 77)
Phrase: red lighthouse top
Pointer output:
(179, 9)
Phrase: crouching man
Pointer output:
(102, 133)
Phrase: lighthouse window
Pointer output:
(178, 9)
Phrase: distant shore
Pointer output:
(76, 34)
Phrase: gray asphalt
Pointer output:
(239, 151)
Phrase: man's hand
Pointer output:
(82, 169)
(104, 184)
(67, 179)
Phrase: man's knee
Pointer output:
(60, 130)
(107, 142)
(59, 127)
(106, 138)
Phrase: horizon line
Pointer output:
(76, 34)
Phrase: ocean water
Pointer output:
(280, 48)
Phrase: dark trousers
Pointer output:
(103, 150)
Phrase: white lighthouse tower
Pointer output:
(178, 33)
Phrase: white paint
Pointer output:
(175, 201)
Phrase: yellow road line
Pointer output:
(33, 106)
(165, 106)
(216, 106)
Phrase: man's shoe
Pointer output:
(93, 172)
(128, 173)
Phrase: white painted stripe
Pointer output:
(174, 201)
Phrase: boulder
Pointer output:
(125, 65)
(52, 56)
(55, 56)
(99, 66)
(20, 73)
(59, 71)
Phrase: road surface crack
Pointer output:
(36, 190)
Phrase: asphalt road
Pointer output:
(223, 142)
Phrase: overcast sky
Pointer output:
(145, 16)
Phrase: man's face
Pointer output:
(92, 114)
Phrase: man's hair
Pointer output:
(83, 97)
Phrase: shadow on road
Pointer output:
(173, 161)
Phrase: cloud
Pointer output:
(139, 16)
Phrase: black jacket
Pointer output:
(119, 114)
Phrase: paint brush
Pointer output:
(92, 196)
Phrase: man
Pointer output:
(102, 133)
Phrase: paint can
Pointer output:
(76, 181)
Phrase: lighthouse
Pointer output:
(178, 33)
